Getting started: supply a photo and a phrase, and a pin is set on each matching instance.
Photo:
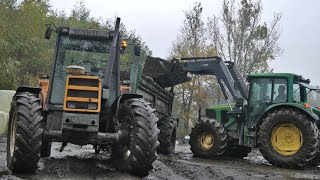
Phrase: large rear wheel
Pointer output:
(316, 160)
(288, 138)
(208, 139)
(24, 138)
(167, 136)
(138, 152)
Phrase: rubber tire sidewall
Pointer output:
(24, 160)
(142, 155)
(167, 136)
(206, 125)
(310, 138)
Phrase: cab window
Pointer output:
(261, 90)
(297, 93)
(280, 93)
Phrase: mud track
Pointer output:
(77, 162)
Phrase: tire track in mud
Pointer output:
(252, 167)
(190, 170)
(77, 162)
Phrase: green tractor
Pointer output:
(83, 106)
(270, 113)
(277, 119)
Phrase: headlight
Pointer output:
(71, 105)
(92, 106)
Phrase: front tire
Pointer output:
(137, 154)
(167, 136)
(288, 138)
(24, 138)
(208, 139)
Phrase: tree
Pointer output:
(192, 42)
(239, 36)
(24, 53)
(22, 49)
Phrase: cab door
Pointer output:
(262, 93)
(260, 97)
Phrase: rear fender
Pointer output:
(121, 98)
(29, 89)
(32, 90)
(300, 107)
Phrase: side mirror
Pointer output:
(137, 50)
(48, 33)
(50, 27)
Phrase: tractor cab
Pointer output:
(271, 89)
(75, 47)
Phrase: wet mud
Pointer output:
(77, 162)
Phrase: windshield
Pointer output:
(303, 92)
(91, 54)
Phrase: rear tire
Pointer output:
(24, 138)
(316, 160)
(288, 138)
(208, 139)
(167, 136)
(139, 152)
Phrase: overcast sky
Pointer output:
(158, 23)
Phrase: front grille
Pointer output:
(84, 82)
(82, 91)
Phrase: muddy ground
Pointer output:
(81, 163)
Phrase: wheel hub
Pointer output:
(286, 139)
(125, 135)
(206, 140)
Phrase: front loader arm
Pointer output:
(212, 66)
(168, 74)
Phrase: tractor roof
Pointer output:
(86, 33)
(278, 75)
(274, 75)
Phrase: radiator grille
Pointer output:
(82, 94)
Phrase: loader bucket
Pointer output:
(164, 73)
(155, 67)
